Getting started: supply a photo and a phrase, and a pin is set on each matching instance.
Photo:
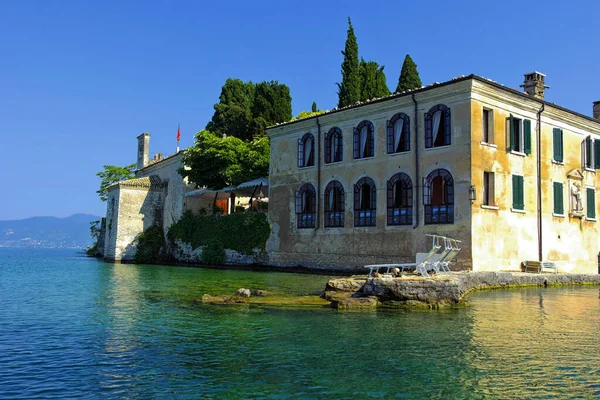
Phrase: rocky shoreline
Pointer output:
(437, 291)
(362, 292)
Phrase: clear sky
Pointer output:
(79, 80)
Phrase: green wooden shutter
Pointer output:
(597, 153)
(557, 144)
(588, 152)
(558, 198)
(527, 136)
(511, 132)
(591, 203)
(518, 195)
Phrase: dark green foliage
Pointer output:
(372, 81)
(213, 253)
(216, 162)
(95, 234)
(241, 232)
(151, 246)
(409, 76)
(314, 107)
(272, 104)
(349, 89)
(245, 109)
(234, 147)
(113, 174)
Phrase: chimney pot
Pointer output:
(534, 85)
(143, 150)
(597, 110)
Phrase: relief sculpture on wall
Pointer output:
(575, 178)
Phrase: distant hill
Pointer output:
(48, 232)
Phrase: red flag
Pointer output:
(178, 133)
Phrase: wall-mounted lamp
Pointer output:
(472, 193)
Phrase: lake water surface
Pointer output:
(74, 327)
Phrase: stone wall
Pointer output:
(184, 252)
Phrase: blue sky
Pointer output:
(79, 80)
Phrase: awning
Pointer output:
(254, 188)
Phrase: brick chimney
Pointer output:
(533, 84)
(143, 150)
(597, 110)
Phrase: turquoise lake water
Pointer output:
(74, 327)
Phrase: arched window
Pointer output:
(334, 205)
(398, 134)
(437, 127)
(365, 202)
(399, 200)
(306, 206)
(438, 197)
(364, 140)
(306, 151)
(333, 145)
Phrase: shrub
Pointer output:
(151, 246)
(213, 253)
(241, 232)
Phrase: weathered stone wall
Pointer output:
(130, 212)
(184, 252)
(509, 237)
(350, 247)
(173, 200)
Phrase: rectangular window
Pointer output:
(488, 189)
(587, 153)
(519, 134)
(557, 145)
(518, 196)
(558, 198)
(488, 126)
(590, 203)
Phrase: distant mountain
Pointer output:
(48, 232)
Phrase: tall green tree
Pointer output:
(233, 112)
(409, 76)
(272, 103)
(349, 89)
(313, 107)
(372, 81)
(113, 174)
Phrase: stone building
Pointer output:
(509, 174)
(154, 197)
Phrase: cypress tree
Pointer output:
(409, 76)
(349, 89)
(372, 81)
(314, 107)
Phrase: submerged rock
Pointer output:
(242, 292)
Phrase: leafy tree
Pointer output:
(409, 76)
(272, 103)
(372, 81)
(233, 113)
(314, 107)
(349, 89)
(95, 235)
(113, 174)
(216, 161)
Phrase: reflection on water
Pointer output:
(75, 327)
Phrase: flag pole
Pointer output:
(178, 137)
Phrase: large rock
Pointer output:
(351, 284)
(242, 292)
